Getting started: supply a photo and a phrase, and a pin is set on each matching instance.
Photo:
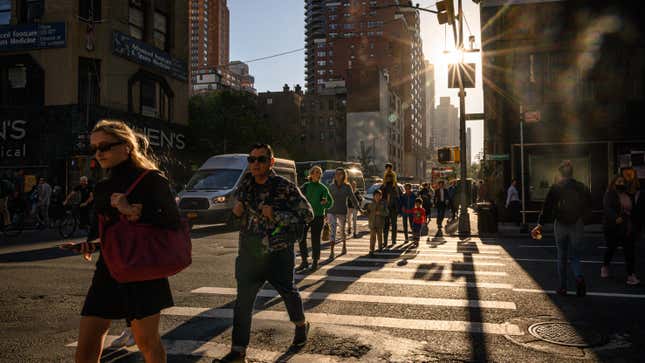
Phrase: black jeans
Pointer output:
(441, 212)
(316, 229)
(407, 221)
(615, 239)
(251, 273)
(390, 220)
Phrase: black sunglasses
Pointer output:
(104, 147)
(262, 159)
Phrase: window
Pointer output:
(269, 101)
(136, 20)
(347, 15)
(89, 9)
(333, 17)
(333, 26)
(160, 31)
(22, 81)
(322, 63)
(89, 77)
(150, 95)
(348, 26)
(5, 12)
(321, 54)
(322, 72)
(347, 4)
(321, 81)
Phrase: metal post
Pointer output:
(523, 227)
(464, 218)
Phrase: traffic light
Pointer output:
(456, 155)
(444, 155)
(446, 12)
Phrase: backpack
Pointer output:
(574, 202)
(6, 188)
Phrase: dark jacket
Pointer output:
(153, 193)
(406, 203)
(391, 195)
(561, 191)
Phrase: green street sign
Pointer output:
(497, 157)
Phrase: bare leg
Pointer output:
(146, 334)
(91, 335)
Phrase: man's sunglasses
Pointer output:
(262, 159)
(104, 147)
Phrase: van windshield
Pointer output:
(216, 179)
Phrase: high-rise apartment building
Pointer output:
(345, 36)
(209, 36)
(430, 100)
(445, 124)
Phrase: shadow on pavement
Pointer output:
(36, 255)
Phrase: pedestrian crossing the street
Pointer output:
(459, 286)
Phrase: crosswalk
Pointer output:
(434, 276)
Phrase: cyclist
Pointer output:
(6, 190)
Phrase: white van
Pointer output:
(208, 196)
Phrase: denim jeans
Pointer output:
(407, 221)
(390, 221)
(568, 239)
(251, 272)
(337, 222)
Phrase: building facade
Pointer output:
(324, 123)
(62, 68)
(430, 101)
(209, 38)
(282, 111)
(342, 36)
(445, 124)
(576, 70)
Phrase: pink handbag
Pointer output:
(139, 252)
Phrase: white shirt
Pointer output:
(512, 195)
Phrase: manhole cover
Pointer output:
(562, 333)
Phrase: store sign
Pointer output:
(12, 135)
(32, 36)
(163, 139)
(148, 55)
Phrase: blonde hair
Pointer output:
(314, 168)
(139, 144)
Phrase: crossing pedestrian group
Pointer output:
(274, 214)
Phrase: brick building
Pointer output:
(62, 68)
(343, 36)
(209, 37)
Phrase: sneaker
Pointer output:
(303, 266)
(232, 357)
(561, 291)
(581, 288)
(300, 337)
(604, 272)
(126, 339)
(314, 266)
(632, 280)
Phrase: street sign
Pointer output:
(497, 157)
(531, 116)
(474, 116)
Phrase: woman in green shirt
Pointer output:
(318, 196)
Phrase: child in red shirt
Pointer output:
(418, 219)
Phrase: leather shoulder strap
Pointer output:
(136, 182)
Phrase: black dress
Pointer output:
(107, 298)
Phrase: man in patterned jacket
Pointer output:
(273, 211)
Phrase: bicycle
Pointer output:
(66, 222)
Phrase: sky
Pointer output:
(260, 28)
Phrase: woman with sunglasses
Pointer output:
(124, 154)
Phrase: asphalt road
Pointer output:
(447, 300)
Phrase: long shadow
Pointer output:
(41, 254)
(479, 351)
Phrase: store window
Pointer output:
(89, 86)
(89, 10)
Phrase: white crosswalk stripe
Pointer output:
(447, 270)
(372, 298)
(418, 262)
(361, 251)
(356, 320)
(375, 280)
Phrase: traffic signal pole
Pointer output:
(464, 217)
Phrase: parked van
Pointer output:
(353, 175)
(208, 196)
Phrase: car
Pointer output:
(368, 197)
(353, 175)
